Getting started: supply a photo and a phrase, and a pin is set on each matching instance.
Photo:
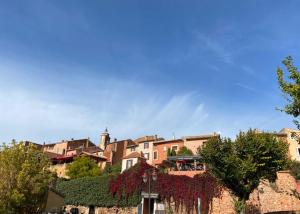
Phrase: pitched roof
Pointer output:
(131, 143)
(147, 138)
(168, 141)
(91, 149)
(134, 155)
(72, 141)
(27, 143)
(199, 137)
(52, 155)
(93, 155)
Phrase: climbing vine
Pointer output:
(183, 190)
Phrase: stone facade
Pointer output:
(292, 140)
(266, 198)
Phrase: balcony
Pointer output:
(185, 165)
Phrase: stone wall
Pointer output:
(104, 210)
(186, 173)
(279, 196)
(268, 197)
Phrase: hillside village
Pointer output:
(222, 75)
(152, 148)
(157, 151)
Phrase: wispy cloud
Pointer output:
(127, 108)
(246, 87)
(215, 47)
(25, 116)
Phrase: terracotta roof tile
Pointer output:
(134, 155)
(52, 155)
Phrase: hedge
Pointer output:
(93, 191)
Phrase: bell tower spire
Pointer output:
(104, 139)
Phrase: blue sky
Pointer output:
(68, 69)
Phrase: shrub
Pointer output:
(295, 169)
(82, 167)
(112, 169)
(93, 191)
(184, 151)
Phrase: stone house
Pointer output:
(63, 153)
(292, 138)
(65, 145)
(132, 159)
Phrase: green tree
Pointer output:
(290, 88)
(184, 151)
(171, 152)
(24, 178)
(112, 169)
(82, 167)
(240, 165)
(295, 169)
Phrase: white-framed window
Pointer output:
(132, 149)
(146, 155)
(146, 145)
(129, 164)
(155, 157)
(174, 147)
(298, 152)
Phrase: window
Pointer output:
(129, 164)
(146, 155)
(155, 155)
(298, 151)
(146, 145)
(132, 149)
(174, 148)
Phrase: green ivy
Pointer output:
(93, 191)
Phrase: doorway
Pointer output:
(146, 206)
(91, 210)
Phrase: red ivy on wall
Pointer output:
(183, 190)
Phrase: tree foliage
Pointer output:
(82, 167)
(24, 178)
(112, 169)
(93, 191)
(290, 88)
(295, 169)
(241, 164)
(171, 152)
(184, 151)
